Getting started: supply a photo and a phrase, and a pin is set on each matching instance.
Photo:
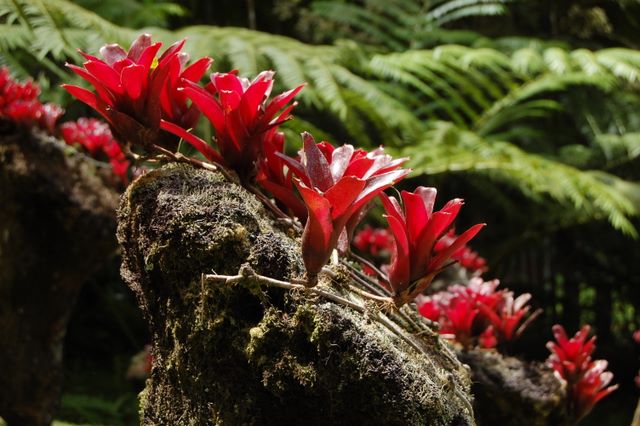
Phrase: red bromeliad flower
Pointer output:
(587, 380)
(334, 192)
(342, 161)
(19, 103)
(477, 312)
(135, 89)
(243, 118)
(507, 315)
(417, 229)
(94, 136)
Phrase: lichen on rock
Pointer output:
(249, 354)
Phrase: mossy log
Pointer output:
(245, 354)
(57, 226)
(512, 392)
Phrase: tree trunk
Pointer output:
(246, 354)
(57, 226)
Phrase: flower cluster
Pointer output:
(587, 379)
(19, 104)
(336, 184)
(243, 118)
(478, 313)
(94, 136)
(417, 229)
(148, 101)
(135, 89)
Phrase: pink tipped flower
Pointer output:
(458, 320)
(507, 314)
(333, 192)
(587, 380)
(19, 103)
(94, 136)
(242, 116)
(571, 356)
(134, 90)
(417, 229)
(463, 311)
(341, 162)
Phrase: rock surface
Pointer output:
(511, 392)
(57, 226)
(245, 354)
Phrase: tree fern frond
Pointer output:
(446, 148)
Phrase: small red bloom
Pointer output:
(477, 312)
(242, 116)
(19, 103)
(94, 136)
(135, 89)
(345, 161)
(333, 192)
(417, 229)
(488, 339)
(372, 241)
(587, 380)
(507, 314)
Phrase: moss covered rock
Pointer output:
(512, 392)
(246, 354)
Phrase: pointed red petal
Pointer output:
(340, 160)
(88, 98)
(377, 184)
(149, 54)
(392, 207)
(463, 239)
(281, 100)
(133, 80)
(195, 71)
(252, 99)
(102, 91)
(400, 271)
(341, 197)
(317, 238)
(427, 194)
(200, 145)
(416, 214)
(206, 103)
(112, 53)
(138, 47)
(295, 167)
(171, 50)
(316, 164)
(106, 75)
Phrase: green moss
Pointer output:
(243, 354)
